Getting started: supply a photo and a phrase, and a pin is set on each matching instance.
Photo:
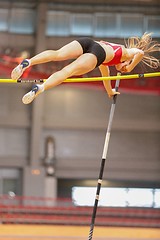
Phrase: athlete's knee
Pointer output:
(68, 70)
(61, 55)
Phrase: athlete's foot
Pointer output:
(30, 96)
(18, 71)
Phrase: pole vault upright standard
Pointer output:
(104, 156)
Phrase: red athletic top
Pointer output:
(117, 54)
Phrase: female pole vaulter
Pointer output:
(88, 55)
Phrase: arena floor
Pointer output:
(44, 232)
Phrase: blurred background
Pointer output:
(50, 150)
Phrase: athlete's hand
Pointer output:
(123, 67)
(113, 93)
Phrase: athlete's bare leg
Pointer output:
(70, 51)
(83, 64)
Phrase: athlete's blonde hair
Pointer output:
(148, 46)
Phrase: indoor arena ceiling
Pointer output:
(89, 5)
(91, 2)
(106, 2)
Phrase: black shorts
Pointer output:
(90, 46)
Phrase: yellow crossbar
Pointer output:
(91, 79)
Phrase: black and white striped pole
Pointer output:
(104, 156)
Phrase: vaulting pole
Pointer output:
(104, 156)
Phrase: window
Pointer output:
(117, 197)
(82, 24)
(106, 25)
(157, 198)
(140, 197)
(131, 25)
(22, 21)
(4, 19)
(57, 23)
(10, 181)
(153, 23)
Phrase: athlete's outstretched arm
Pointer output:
(107, 84)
